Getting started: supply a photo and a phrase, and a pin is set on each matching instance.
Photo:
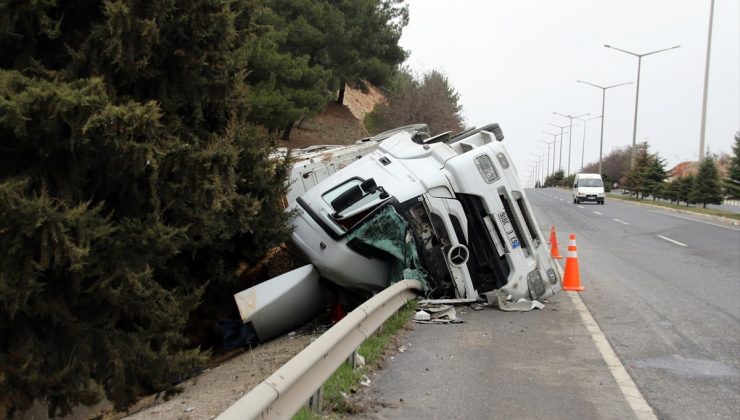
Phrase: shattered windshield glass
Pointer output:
(385, 235)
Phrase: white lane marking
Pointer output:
(671, 240)
(630, 391)
(581, 207)
(622, 222)
(598, 213)
(694, 220)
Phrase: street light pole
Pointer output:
(583, 142)
(706, 84)
(603, 102)
(548, 154)
(560, 155)
(570, 132)
(637, 94)
(536, 170)
(554, 145)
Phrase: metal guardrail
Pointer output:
(285, 391)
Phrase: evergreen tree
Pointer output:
(367, 48)
(557, 179)
(684, 186)
(731, 184)
(130, 183)
(655, 175)
(706, 188)
(637, 179)
(287, 79)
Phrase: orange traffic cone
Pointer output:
(571, 279)
(554, 253)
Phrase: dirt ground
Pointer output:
(214, 390)
(337, 124)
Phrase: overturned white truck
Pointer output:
(446, 210)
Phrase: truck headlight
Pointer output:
(502, 159)
(600, 194)
(486, 168)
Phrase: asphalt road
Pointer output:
(663, 287)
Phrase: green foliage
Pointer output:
(648, 174)
(287, 79)
(706, 188)
(734, 172)
(731, 184)
(557, 179)
(427, 99)
(131, 183)
(367, 46)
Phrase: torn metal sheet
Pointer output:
(283, 303)
(499, 299)
(438, 314)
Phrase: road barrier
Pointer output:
(290, 387)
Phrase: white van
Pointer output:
(588, 187)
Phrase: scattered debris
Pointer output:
(476, 307)
(402, 349)
(189, 409)
(439, 314)
(365, 381)
(499, 299)
(359, 360)
(422, 316)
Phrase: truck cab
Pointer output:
(446, 210)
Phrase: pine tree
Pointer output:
(130, 183)
(684, 186)
(706, 188)
(637, 178)
(367, 48)
(286, 75)
(731, 184)
(655, 175)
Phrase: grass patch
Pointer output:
(346, 379)
(691, 208)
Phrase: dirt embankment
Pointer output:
(337, 124)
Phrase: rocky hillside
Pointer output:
(337, 124)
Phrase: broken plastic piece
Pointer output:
(501, 300)
(422, 316)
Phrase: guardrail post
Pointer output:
(316, 402)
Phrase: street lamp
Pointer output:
(536, 170)
(560, 156)
(548, 154)
(706, 84)
(554, 141)
(570, 132)
(637, 94)
(603, 102)
(583, 143)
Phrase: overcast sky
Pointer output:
(516, 61)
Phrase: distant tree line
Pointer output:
(135, 173)
(648, 178)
